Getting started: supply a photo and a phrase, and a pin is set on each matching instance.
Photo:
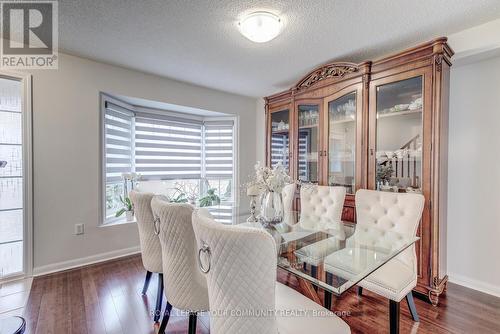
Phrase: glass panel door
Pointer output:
(11, 178)
(280, 138)
(342, 122)
(399, 135)
(308, 142)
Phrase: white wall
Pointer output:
(261, 130)
(66, 153)
(474, 176)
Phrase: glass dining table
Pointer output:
(333, 256)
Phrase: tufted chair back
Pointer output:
(242, 276)
(185, 287)
(150, 243)
(321, 206)
(384, 219)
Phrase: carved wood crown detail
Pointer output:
(328, 71)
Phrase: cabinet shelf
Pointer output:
(280, 132)
(340, 121)
(308, 126)
(400, 113)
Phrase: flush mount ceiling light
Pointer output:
(260, 27)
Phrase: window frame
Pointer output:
(103, 219)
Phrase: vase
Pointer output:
(129, 215)
(271, 208)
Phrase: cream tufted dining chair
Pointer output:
(384, 220)
(150, 244)
(321, 206)
(187, 287)
(240, 265)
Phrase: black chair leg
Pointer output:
(360, 291)
(166, 317)
(411, 306)
(394, 317)
(192, 322)
(146, 282)
(159, 298)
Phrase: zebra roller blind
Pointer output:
(167, 147)
(118, 130)
(219, 155)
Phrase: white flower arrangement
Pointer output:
(270, 179)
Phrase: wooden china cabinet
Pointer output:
(381, 125)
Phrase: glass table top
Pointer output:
(332, 255)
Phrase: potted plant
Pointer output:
(210, 198)
(177, 196)
(190, 190)
(128, 209)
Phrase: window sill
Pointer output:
(116, 222)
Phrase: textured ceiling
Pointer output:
(198, 41)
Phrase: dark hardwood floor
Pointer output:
(106, 298)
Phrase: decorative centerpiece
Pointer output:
(253, 191)
(271, 182)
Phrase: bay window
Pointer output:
(181, 156)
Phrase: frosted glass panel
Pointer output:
(11, 258)
(10, 95)
(11, 193)
(13, 156)
(11, 178)
(10, 128)
(11, 226)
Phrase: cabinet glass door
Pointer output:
(280, 138)
(308, 142)
(399, 135)
(342, 120)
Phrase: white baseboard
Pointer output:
(474, 284)
(70, 264)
